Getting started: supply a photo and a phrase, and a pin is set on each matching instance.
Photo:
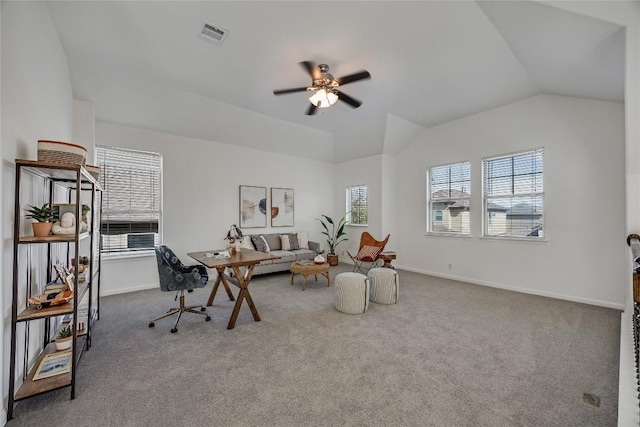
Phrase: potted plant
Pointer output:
(234, 237)
(85, 211)
(319, 259)
(43, 217)
(335, 235)
(64, 338)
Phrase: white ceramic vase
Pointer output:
(319, 259)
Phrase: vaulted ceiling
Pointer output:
(143, 64)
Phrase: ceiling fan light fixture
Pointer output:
(323, 98)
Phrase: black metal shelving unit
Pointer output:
(76, 182)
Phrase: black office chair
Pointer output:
(175, 276)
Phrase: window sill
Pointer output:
(357, 225)
(454, 235)
(515, 239)
(128, 255)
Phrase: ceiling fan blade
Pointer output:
(285, 91)
(311, 68)
(311, 110)
(349, 100)
(360, 75)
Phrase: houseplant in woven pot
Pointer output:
(335, 235)
(44, 217)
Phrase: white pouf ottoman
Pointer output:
(352, 293)
(384, 285)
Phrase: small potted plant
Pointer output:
(319, 259)
(234, 237)
(335, 235)
(64, 339)
(43, 217)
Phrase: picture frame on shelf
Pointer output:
(282, 207)
(53, 364)
(253, 206)
(61, 271)
(69, 281)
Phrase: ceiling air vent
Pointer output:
(213, 33)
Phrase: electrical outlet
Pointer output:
(450, 266)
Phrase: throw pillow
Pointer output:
(284, 240)
(247, 243)
(303, 240)
(293, 242)
(368, 253)
(260, 243)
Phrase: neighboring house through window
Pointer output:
(448, 194)
(514, 195)
(131, 200)
(357, 205)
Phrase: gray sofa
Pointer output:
(286, 257)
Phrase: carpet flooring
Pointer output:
(448, 354)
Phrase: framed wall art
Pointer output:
(253, 206)
(282, 207)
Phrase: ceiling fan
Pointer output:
(325, 87)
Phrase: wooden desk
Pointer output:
(246, 258)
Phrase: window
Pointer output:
(513, 195)
(448, 193)
(131, 200)
(357, 205)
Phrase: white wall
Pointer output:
(583, 258)
(36, 104)
(201, 190)
(368, 171)
(84, 128)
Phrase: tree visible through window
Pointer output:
(357, 205)
(448, 194)
(514, 195)
(131, 200)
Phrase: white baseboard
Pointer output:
(104, 293)
(572, 298)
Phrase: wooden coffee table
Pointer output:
(306, 270)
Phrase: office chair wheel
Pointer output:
(151, 325)
(174, 330)
(207, 318)
(202, 308)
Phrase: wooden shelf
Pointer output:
(60, 172)
(30, 387)
(55, 238)
(32, 313)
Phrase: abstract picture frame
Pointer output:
(282, 207)
(253, 206)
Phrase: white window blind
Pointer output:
(448, 195)
(357, 205)
(514, 195)
(131, 200)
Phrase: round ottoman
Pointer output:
(352, 293)
(384, 285)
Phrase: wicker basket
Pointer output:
(94, 171)
(61, 152)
